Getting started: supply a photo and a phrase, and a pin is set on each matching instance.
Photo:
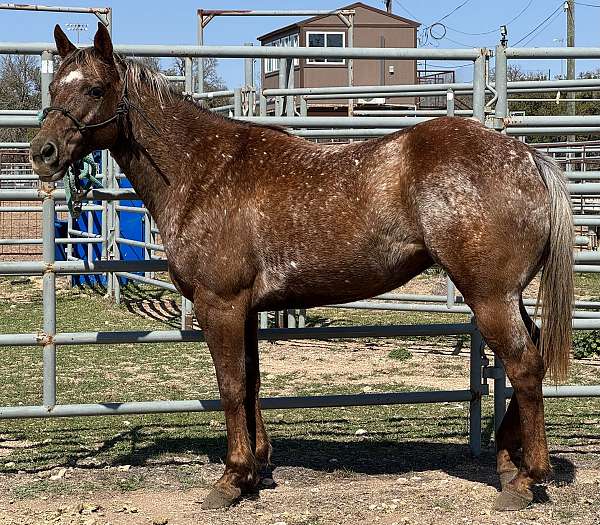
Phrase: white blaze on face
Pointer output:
(72, 76)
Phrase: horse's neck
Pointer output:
(163, 165)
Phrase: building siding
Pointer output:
(371, 29)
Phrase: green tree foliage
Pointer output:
(553, 106)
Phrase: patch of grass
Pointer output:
(586, 344)
(423, 434)
(400, 354)
(587, 284)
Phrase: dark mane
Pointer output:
(138, 74)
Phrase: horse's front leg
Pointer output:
(256, 426)
(223, 322)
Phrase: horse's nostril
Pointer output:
(48, 152)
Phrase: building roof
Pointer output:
(301, 23)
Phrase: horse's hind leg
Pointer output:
(508, 437)
(500, 322)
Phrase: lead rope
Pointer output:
(80, 178)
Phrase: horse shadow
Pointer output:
(367, 456)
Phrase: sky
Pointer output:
(174, 22)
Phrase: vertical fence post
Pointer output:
(450, 102)
(147, 239)
(475, 385)
(303, 106)
(69, 249)
(479, 86)
(249, 83)
(237, 102)
(200, 72)
(116, 252)
(264, 320)
(104, 218)
(262, 105)
(350, 62)
(189, 79)
(290, 105)
(279, 101)
(501, 110)
(187, 317)
(291, 318)
(48, 247)
(90, 230)
(499, 393)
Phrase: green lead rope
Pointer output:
(80, 178)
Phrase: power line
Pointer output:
(495, 30)
(415, 17)
(542, 28)
(540, 24)
(454, 10)
(587, 5)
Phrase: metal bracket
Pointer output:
(497, 123)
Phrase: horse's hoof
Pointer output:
(219, 499)
(510, 499)
(507, 476)
(265, 476)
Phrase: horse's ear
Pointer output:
(103, 43)
(63, 44)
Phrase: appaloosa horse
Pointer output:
(255, 219)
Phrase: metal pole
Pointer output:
(501, 87)
(499, 392)
(289, 103)
(570, 12)
(189, 79)
(249, 82)
(450, 102)
(279, 101)
(200, 87)
(48, 247)
(351, 63)
(187, 317)
(116, 232)
(479, 86)
(475, 382)
(264, 320)
(303, 106)
(237, 102)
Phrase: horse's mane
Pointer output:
(141, 75)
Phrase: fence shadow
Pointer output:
(370, 457)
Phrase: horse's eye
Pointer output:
(96, 92)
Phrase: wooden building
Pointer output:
(372, 28)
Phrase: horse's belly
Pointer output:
(309, 282)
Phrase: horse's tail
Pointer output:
(556, 289)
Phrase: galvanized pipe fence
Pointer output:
(291, 105)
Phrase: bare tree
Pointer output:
(20, 88)
(212, 80)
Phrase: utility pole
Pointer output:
(569, 7)
(388, 6)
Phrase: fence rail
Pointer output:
(294, 102)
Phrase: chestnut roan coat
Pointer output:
(255, 219)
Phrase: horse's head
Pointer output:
(83, 115)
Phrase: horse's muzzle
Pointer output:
(45, 159)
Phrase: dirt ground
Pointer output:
(363, 482)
